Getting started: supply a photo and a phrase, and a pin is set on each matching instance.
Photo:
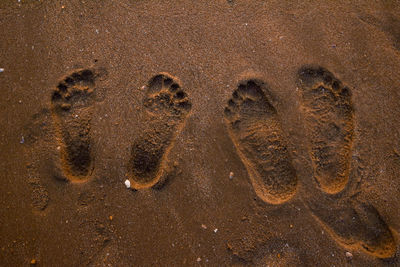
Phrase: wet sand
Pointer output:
(252, 133)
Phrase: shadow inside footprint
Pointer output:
(72, 108)
(166, 107)
(255, 129)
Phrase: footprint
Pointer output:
(254, 127)
(328, 111)
(358, 226)
(166, 107)
(72, 108)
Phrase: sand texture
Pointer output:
(249, 133)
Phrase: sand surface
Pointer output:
(252, 133)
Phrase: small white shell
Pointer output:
(127, 183)
(349, 255)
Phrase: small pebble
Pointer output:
(1, 69)
(198, 259)
(215, 230)
(203, 226)
(127, 183)
(231, 175)
(349, 255)
(22, 140)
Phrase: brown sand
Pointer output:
(253, 133)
